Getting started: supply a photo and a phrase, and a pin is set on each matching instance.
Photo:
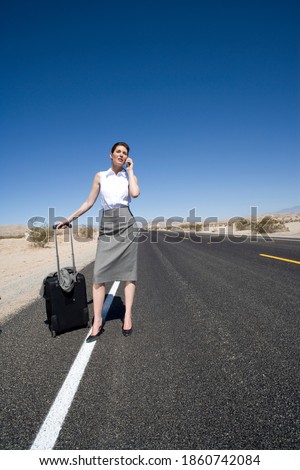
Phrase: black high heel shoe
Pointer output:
(92, 338)
(127, 332)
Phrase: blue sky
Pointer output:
(206, 93)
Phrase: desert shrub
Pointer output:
(191, 226)
(39, 236)
(270, 225)
(242, 224)
(172, 227)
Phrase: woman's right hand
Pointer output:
(63, 224)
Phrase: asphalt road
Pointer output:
(213, 362)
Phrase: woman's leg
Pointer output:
(129, 291)
(98, 300)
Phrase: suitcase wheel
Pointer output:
(53, 333)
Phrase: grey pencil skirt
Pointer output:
(116, 256)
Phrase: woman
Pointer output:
(116, 257)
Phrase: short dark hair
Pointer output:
(120, 143)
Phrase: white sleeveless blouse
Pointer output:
(114, 189)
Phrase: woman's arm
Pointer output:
(86, 205)
(134, 189)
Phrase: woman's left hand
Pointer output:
(129, 164)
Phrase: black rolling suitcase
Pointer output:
(66, 310)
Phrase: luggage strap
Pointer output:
(60, 280)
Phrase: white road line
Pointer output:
(50, 429)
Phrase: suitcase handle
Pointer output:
(55, 226)
(72, 251)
